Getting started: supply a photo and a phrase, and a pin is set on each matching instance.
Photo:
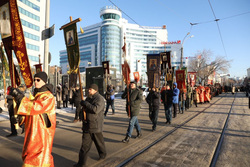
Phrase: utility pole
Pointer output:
(46, 41)
(182, 48)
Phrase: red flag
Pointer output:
(126, 72)
(136, 76)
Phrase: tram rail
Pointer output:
(218, 147)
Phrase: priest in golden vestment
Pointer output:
(38, 114)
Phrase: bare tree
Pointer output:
(205, 66)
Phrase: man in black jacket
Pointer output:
(110, 98)
(92, 126)
(167, 99)
(153, 100)
(135, 99)
(11, 113)
(65, 93)
(77, 100)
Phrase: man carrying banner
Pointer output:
(39, 116)
(153, 100)
(93, 126)
(135, 104)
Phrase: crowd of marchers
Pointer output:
(37, 116)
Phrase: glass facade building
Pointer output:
(104, 41)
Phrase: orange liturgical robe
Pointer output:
(39, 135)
(207, 94)
(201, 93)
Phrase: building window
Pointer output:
(30, 4)
(32, 47)
(31, 36)
(29, 14)
(30, 25)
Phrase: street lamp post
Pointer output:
(182, 48)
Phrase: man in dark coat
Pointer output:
(11, 113)
(58, 96)
(77, 100)
(93, 126)
(153, 100)
(135, 99)
(65, 92)
(167, 99)
(110, 98)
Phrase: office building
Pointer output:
(104, 41)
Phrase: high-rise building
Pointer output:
(32, 15)
(104, 41)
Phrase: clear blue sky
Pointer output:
(176, 15)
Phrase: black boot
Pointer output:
(126, 140)
(139, 134)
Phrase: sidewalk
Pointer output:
(5, 114)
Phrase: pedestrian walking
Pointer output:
(153, 100)
(189, 96)
(176, 92)
(93, 126)
(201, 93)
(207, 94)
(182, 101)
(76, 98)
(22, 88)
(195, 96)
(167, 99)
(11, 113)
(39, 116)
(58, 96)
(65, 94)
(135, 99)
(110, 99)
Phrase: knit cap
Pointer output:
(42, 75)
(94, 86)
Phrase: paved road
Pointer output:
(191, 145)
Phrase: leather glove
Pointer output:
(17, 119)
(17, 94)
(83, 103)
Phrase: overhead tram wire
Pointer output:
(218, 27)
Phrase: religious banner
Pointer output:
(3, 59)
(71, 41)
(181, 80)
(13, 39)
(153, 70)
(192, 78)
(38, 67)
(136, 76)
(105, 65)
(126, 72)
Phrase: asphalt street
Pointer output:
(193, 144)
